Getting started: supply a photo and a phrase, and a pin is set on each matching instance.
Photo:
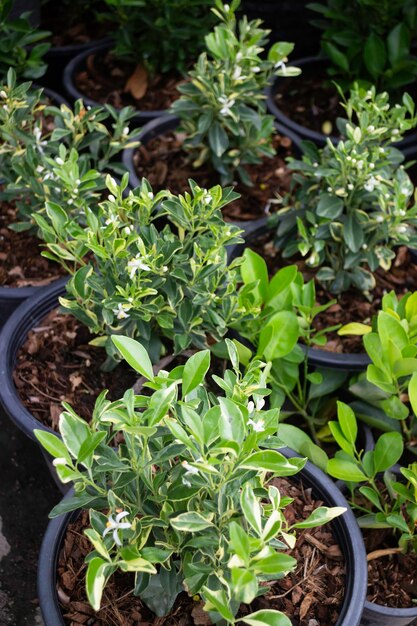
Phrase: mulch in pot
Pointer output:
(313, 594)
(57, 364)
(109, 80)
(21, 263)
(68, 29)
(312, 101)
(167, 165)
(352, 305)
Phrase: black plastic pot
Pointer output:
(316, 356)
(78, 64)
(12, 337)
(310, 65)
(168, 123)
(345, 528)
(26, 6)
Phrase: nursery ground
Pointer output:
(27, 493)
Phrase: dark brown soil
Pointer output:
(56, 364)
(68, 28)
(167, 166)
(392, 580)
(310, 100)
(21, 263)
(313, 594)
(351, 306)
(105, 80)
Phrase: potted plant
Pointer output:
(386, 391)
(369, 42)
(386, 506)
(224, 134)
(152, 266)
(153, 45)
(210, 520)
(347, 217)
(47, 154)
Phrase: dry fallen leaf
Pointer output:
(137, 83)
(305, 605)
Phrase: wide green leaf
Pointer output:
(279, 336)
(322, 515)
(266, 617)
(388, 450)
(191, 522)
(135, 354)
(195, 370)
(273, 461)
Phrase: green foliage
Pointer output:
(388, 389)
(55, 155)
(165, 35)
(190, 493)
(369, 41)
(20, 45)
(222, 108)
(157, 268)
(376, 492)
(351, 204)
(281, 332)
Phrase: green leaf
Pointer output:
(97, 542)
(388, 450)
(375, 55)
(135, 354)
(266, 617)
(195, 370)
(273, 461)
(218, 139)
(299, 441)
(398, 42)
(347, 422)
(275, 564)
(244, 584)
(412, 392)
(231, 424)
(239, 541)
(190, 522)
(345, 470)
(161, 591)
(216, 600)
(52, 444)
(251, 509)
(322, 515)
(88, 447)
(74, 432)
(329, 206)
(95, 581)
(279, 336)
(254, 269)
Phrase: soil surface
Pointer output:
(167, 166)
(112, 81)
(21, 263)
(71, 28)
(352, 305)
(313, 594)
(56, 364)
(27, 494)
(310, 100)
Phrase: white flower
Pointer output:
(3, 94)
(258, 426)
(359, 164)
(239, 57)
(329, 189)
(226, 8)
(207, 198)
(237, 72)
(371, 166)
(226, 105)
(59, 161)
(112, 220)
(281, 66)
(115, 525)
(150, 195)
(5, 107)
(127, 230)
(39, 169)
(190, 470)
(401, 229)
(379, 218)
(315, 164)
(401, 212)
(125, 131)
(256, 69)
(120, 313)
(371, 128)
(37, 133)
(165, 268)
(404, 191)
(78, 182)
(350, 186)
(136, 264)
(348, 158)
(111, 198)
(371, 183)
(395, 131)
(365, 246)
(382, 150)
